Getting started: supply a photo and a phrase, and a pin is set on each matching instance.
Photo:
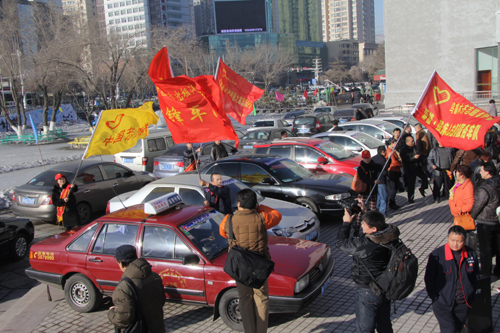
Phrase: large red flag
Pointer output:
(160, 69)
(191, 107)
(237, 94)
(305, 94)
(451, 118)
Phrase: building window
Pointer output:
(487, 68)
(110, 6)
(117, 21)
(136, 10)
(124, 20)
(110, 14)
(123, 12)
(116, 4)
(129, 3)
(141, 9)
(122, 4)
(111, 22)
(129, 11)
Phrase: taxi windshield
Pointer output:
(203, 232)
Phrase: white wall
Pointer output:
(426, 35)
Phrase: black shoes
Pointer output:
(411, 201)
(422, 191)
(437, 201)
(394, 207)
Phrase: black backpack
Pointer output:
(400, 276)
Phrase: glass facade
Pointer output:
(301, 18)
(487, 69)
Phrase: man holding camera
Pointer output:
(369, 257)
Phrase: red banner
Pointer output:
(451, 118)
(237, 94)
(160, 69)
(191, 107)
(305, 94)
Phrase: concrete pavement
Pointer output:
(423, 227)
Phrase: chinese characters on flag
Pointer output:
(451, 118)
(118, 130)
(237, 94)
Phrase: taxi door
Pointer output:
(164, 250)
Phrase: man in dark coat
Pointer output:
(64, 199)
(486, 201)
(382, 192)
(490, 143)
(439, 163)
(369, 256)
(451, 280)
(217, 196)
(189, 157)
(218, 151)
(149, 288)
(412, 164)
(475, 167)
(335, 126)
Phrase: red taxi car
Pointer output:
(183, 245)
(317, 155)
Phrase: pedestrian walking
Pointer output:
(486, 201)
(382, 193)
(370, 256)
(439, 163)
(492, 109)
(394, 173)
(250, 223)
(451, 280)
(63, 197)
(137, 279)
(414, 168)
(217, 196)
(218, 151)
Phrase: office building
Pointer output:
(299, 17)
(204, 17)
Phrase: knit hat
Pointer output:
(126, 252)
(59, 176)
(366, 154)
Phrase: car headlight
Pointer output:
(285, 232)
(301, 284)
(336, 197)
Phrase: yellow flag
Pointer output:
(119, 129)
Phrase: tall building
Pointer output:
(348, 19)
(82, 11)
(171, 13)
(299, 17)
(204, 17)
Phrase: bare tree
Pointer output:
(272, 63)
(356, 73)
(338, 72)
(374, 63)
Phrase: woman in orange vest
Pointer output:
(65, 202)
(394, 173)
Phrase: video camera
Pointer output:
(351, 206)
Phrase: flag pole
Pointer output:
(405, 124)
(217, 69)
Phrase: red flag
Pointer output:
(279, 97)
(451, 118)
(315, 91)
(160, 69)
(305, 93)
(237, 94)
(191, 107)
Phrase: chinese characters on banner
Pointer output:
(119, 129)
(191, 106)
(451, 118)
(237, 94)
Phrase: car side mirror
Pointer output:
(322, 160)
(191, 259)
(267, 180)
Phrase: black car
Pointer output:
(307, 125)
(15, 237)
(290, 116)
(262, 135)
(345, 115)
(280, 178)
(367, 108)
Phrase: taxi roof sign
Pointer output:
(162, 203)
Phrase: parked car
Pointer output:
(281, 178)
(325, 109)
(315, 154)
(368, 108)
(399, 120)
(97, 182)
(259, 136)
(171, 162)
(307, 125)
(345, 115)
(15, 237)
(297, 221)
(290, 116)
(352, 140)
(268, 123)
(184, 246)
(141, 156)
(379, 129)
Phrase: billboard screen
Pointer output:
(240, 16)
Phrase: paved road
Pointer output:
(423, 227)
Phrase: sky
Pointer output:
(379, 17)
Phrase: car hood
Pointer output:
(293, 214)
(327, 181)
(353, 161)
(292, 257)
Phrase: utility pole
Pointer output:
(21, 78)
(317, 68)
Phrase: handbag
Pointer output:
(139, 326)
(357, 184)
(246, 267)
(465, 221)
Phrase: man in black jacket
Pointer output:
(189, 157)
(475, 167)
(382, 194)
(217, 196)
(439, 162)
(451, 280)
(486, 201)
(218, 151)
(412, 164)
(335, 126)
(369, 256)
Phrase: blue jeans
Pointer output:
(382, 198)
(372, 312)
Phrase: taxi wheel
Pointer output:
(81, 294)
(85, 212)
(19, 247)
(229, 310)
(308, 203)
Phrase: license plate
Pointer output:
(128, 160)
(323, 288)
(29, 201)
(303, 130)
(247, 147)
(312, 235)
(342, 121)
(166, 166)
